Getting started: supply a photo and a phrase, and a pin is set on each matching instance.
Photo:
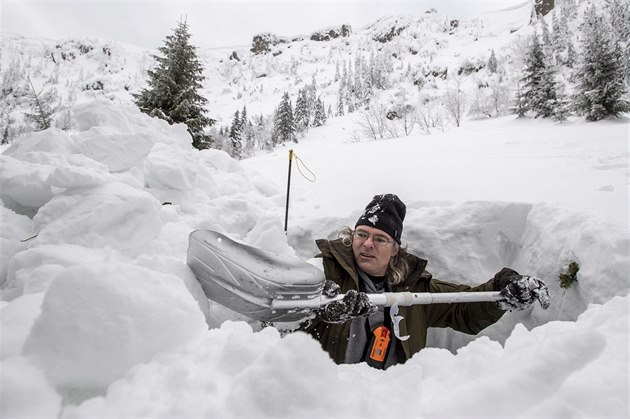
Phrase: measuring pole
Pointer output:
(286, 211)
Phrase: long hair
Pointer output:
(398, 266)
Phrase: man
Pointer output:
(370, 259)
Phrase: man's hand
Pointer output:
(519, 291)
(354, 304)
(331, 289)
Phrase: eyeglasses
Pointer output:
(378, 240)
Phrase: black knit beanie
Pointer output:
(385, 212)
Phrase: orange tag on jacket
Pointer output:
(381, 342)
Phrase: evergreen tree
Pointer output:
(601, 71)
(492, 62)
(173, 92)
(571, 55)
(244, 120)
(41, 106)
(236, 138)
(619, 12)
(301, 114)
(284, 124)
(538, 94)
(311, 97)
(520, 102)
(340, 111)
(546, 39)
(560, 35)
(319, 118)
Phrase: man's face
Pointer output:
(373, 249)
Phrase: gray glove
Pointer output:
(519, 291)
(354, 304)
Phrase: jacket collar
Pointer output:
(343, 254)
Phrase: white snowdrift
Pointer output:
(101, 317)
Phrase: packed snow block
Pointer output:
(127, 119)
(97, 321)
(48, 141)
(24, 188)
(102, 112)
(32, 270)
(26, 393)
(220, 160)
(114, 214)
(168, 167)
(79, 172)
(117, 150)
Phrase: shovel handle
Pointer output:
(388, 299)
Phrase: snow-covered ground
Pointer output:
(101, 317)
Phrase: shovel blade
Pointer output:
(248, 280)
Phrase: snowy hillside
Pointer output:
(76, 70)
(100, 317)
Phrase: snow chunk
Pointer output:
(118, 151)
(167, 167)
(24, 184)
(139, 313)
(48, 141)
(113, 214)
(80, 172)
(32, 270)
(128, 119)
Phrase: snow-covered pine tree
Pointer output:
(311, 98)
(547, 42)
(560, 35)
(571, 58)
(600, 73)
(244, 119)
(492, 62)
(301, 114)
(340, 111)
(236, 140)
(319, 118)
(42, 111)
(284, 124)
(520, 102)
(173, 87)
(619, 12)
(538, 93)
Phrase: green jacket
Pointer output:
(470, 318)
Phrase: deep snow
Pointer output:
(102, 318)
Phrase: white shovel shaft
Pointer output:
(400, 298)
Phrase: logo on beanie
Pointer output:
(385, 212)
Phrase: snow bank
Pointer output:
(232, 372)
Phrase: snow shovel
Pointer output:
(270, 287)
